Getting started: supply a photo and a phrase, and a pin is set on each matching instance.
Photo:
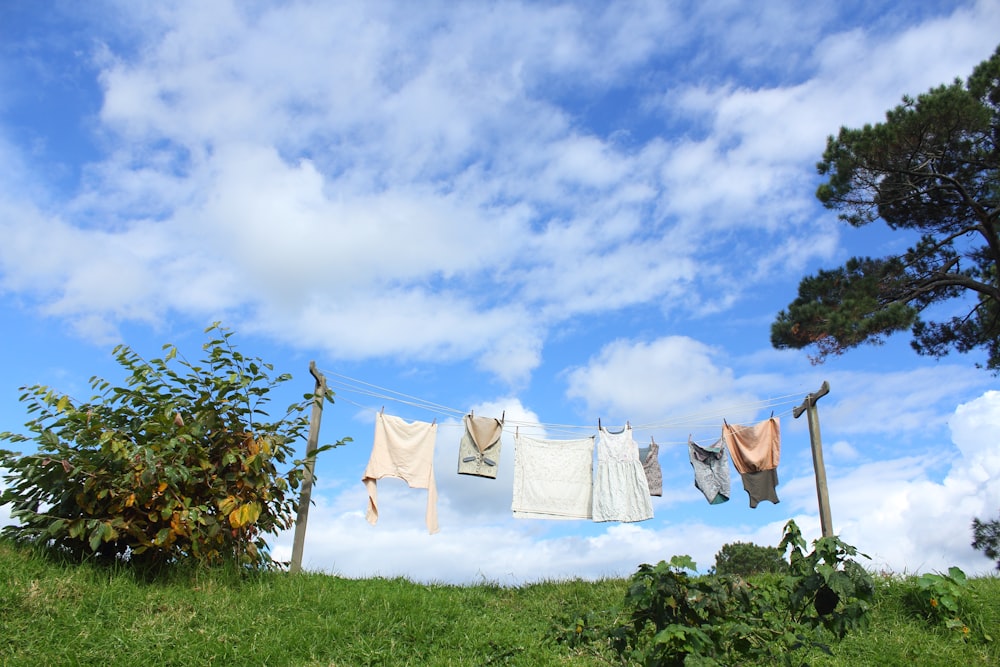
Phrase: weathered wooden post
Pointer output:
(822, 493)
(298, 542)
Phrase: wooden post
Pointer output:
(305, 495)
(822, 493)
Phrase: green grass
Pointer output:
(899, 635)
(60, 614)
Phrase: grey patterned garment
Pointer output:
(650, 457)
(711, 470)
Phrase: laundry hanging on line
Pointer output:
(756, 451)
(711, 470)
(479, 448)
(621, 489)
(404, 450)
(553, 479)
(650, 457)
(556, 479)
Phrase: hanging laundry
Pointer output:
(621, 492)
(756, 451)
(761, 485)
(404, 450)
(553, 479)
(711, 470)
(650, 458)
(479, 449)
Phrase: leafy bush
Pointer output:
(825, 587)
(179, 464)
(674, 618)
(746, 558)
(947, 600)
(940, 597)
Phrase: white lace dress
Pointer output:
(553, 479)
(621, 492)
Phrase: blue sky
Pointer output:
(560, 212)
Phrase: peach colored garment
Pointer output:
(404, 450)
(754, 448)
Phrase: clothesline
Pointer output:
(389, 394)
(561, 478)
(698, 422)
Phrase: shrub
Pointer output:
(674, 618)
(179, 464)
(947, 600)
(745, 559)
(826, 587)
(940, 597)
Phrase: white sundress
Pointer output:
(621, 492)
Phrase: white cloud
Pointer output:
(896, 404)
(893, 509)
(644, 381)
(844, 451)
(251, 153)
(425, 150)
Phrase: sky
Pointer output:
(562, 213)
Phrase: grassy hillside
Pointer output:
(56, 614)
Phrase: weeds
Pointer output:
(943, 599)
(674, 618)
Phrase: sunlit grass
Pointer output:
(60, 614)
(57, 614)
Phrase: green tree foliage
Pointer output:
(179, 464)
(986, 538)
(931, 169)
(745, 558)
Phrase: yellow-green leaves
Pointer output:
(174, 464)
(244, 515)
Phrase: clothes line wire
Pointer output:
(415, 404)
(738, 409)
(682, 422)
(508, 423)
(709, 420)
(700, 422)
(389, 394)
